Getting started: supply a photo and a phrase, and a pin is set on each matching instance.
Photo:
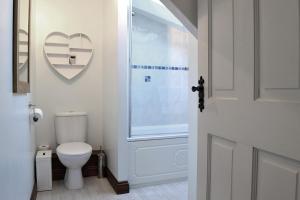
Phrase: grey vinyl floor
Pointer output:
(99, 189)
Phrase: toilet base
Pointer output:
(73, 179)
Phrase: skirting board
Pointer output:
(34, 192)
(119, 187)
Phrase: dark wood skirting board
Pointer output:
(119, 187)
(34, 192)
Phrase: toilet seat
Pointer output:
(74, 149)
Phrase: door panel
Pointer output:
(279, 43)
(221, 165)
(249, 131)
(222, 45)
(276, 177)
(277, 49)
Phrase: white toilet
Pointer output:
(73, 152)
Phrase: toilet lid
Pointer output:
(74, 148)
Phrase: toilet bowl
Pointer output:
(73, 156)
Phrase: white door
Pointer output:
(249, 131)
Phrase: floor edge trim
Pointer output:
(119, 187)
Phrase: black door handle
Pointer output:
(200, 89)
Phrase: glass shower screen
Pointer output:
(158, 70)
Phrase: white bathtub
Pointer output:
(162, 131)
(158, 158)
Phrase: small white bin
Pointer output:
(43, 170)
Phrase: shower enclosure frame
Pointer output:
(183, 134)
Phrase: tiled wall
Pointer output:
(158, 44)
(159, 67)
(159, 97)
(159, 73)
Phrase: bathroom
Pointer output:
(149, 99)
(130, 81)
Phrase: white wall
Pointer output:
(17, 140)
(110, 80)
(115, 87)
(83, 93)
(167, 43)
(185, 11)
(155, 10)
(188, 8)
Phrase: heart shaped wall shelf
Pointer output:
(69, 55)
(23, 48)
